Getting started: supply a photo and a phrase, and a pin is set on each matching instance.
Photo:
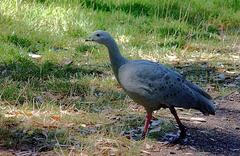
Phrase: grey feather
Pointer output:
(151, 84)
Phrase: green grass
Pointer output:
(80, 104)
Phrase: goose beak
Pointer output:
(89, 39)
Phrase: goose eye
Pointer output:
(98, 35)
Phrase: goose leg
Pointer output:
(147, 123)
(182, 128)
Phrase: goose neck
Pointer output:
(115, 56)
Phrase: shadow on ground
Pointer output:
(219, 135)
(204, 73)
(214, 141)
(24, 69)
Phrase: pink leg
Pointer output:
(147, 122)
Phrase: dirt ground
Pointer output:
(215, 135)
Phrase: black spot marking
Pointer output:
(178, 79)
(167, 77)
(163, 87)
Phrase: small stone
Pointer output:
(198, 119)
(237, 78)
(4, 72)
(83, 125)
(39, 100)
(155, 123)
(220, 77)
(196, 122)
(237, 128)
(231, 99)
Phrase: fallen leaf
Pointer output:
(145, 152)
(50, 126)
(28, 114)
(55, 117)
(66, 62)
(221, 70)
(54, 97)
(35, 56)
(13, 113)
(194, 119)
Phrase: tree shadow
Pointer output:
(231, 111)
(215, 141)
(23, 69)
(203, 73)
(25, 81)
(230, 105)
(14, 137)
(219, 135)
(208, 138)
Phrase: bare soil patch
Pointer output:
(219, 135)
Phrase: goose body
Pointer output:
(154, 85)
